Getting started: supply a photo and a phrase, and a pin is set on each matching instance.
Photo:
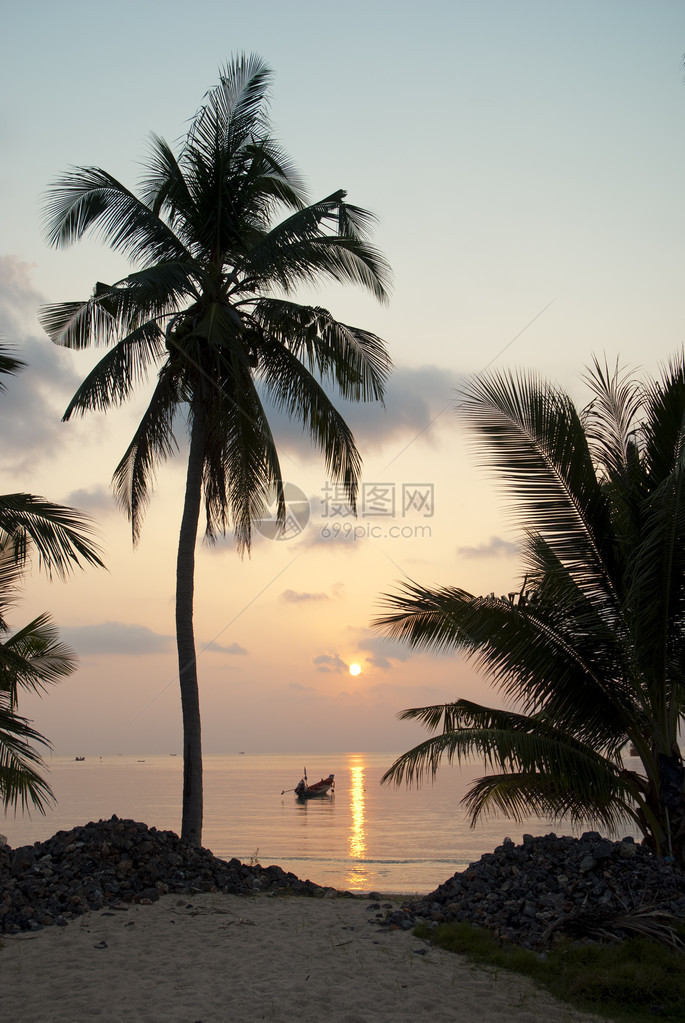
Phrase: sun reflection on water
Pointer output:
(356, 841)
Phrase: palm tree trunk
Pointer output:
(191, 822)
(672, 780)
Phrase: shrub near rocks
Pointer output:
(119, 861)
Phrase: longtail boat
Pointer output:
(303, 790)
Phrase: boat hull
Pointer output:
(308, 794)
(316, 791)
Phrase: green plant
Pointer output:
(589, 651)
(634, 981)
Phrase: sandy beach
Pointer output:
(215, 958)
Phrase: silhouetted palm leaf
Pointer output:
(31, 658)
(592, 648)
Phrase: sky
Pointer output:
(525, 163)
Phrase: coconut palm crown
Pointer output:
(210, 304)
(589, 654)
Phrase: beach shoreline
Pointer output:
(118, 921)
(215, 957)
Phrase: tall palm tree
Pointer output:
(32, 657)
(589, 654)
(209, 303)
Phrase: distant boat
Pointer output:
(79, 758)
(303, 790)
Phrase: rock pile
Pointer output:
(527, 893)
(548, 886)
(118, 861)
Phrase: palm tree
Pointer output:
(209, 303)
(589, 654)
(32, 657)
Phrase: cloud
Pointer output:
(130, 640)
(302, 689)
(31, 410)
(116, 638)
(418, 404)
(95, 501)
(332, 663)
(19, 300)
(295, 597)
(496, 547)
(382, 652)
(217, 648)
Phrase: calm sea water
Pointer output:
(365, 837)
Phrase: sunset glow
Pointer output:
(528, 262)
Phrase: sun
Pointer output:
(355, 669)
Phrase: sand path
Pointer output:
(217, 958)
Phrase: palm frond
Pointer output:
(33, 657)
(502, 740)
(655, 593)
(354, 360)
(11, 574)
(242, 469)
(21, 786)
(78, 325)
(591, 798)
(606, 925)
(294, 390)
(113, 379)
(610, 420)
(304, 248)
(537, 771)
(538, 653)
(533, 437)
(235, 111)
(662, 429)
(165, 189)
(656, 566)
(152, 442)
(89, 198)
(113, 311)
(9, 364)
(62, 536)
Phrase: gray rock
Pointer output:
(114, 862)
(550, 886)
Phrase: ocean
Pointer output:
(365, 837)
